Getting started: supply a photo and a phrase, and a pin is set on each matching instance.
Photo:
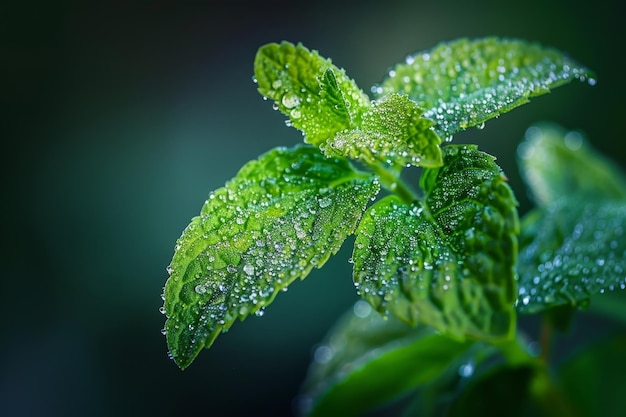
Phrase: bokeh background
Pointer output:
(121, 116)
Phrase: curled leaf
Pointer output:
(317, 96)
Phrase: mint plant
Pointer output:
(444, 268)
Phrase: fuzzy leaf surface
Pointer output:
(464, 83)
(318, 97)
(448, 261)
(279, 217)
(367, 361)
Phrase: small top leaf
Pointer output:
(467, 82)
(449, 261)
(282, 215)
(318, 97)
(392, 132)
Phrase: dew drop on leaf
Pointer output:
(290, 101)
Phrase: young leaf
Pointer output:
(367, 360)
(334, 114)
(392, 132)
(282, 215)
(449, 261)
(318, 97)
(466, 82)
(572, 249)
(555, 162)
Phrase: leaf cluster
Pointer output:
(443, 267)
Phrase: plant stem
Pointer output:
(394, 184)
(516, 354)
(545, 340)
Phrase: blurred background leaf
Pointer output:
(121, 117)
(368, 360)
(593, 377)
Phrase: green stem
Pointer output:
(516, 354)
(545, 340)
(394, 184)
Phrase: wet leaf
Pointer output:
(317, 96)
(466, 82)
(367, 361)
(572, 249)
(334, 114)
(448, 261)
(555, 162)
(573, 245)
(392, 132)
(282, 215)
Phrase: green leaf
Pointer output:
(282, 215)
(594, 379)
(466, 82)
(573, 244)
(367, 361)
(449, 261)
(555, 162)
(572, 249)
(392, 132)
(317, 96)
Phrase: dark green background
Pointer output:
(120, 117)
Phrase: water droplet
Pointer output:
(534, 349)
(324, 202)
(573, 140)
(362, 308)
(466, 370)
(290, 101)
(248, 269)
(323, 354)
